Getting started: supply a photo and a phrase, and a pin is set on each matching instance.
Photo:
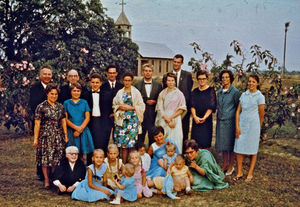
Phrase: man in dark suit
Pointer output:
(185, 84)
(70, 172)
(108, 91)
(150, 90)
(37, 95)
(95, 124)
(65, 93)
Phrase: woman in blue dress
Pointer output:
(249, 117)
(157, 150)
(91, 188)
(129, 107)
(227, 102)
(78, 116)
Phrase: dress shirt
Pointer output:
(96, 106)
(178, 77)
(112, 84)
(148, 86)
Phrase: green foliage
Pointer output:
(281, 102)
(73, 34)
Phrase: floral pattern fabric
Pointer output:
(127, 135)
(51, 143)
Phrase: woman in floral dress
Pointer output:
(128, 108)
(50, 132)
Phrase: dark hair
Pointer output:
(111, 66)
(96, 75)
(179, 56)
(51, 86)
(75, 85)
(201, 72)
(127, 74)
(139, 145)
(229, 73)
(255, 76)
(191, 143)
(156, 130)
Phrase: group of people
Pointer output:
(76, 124)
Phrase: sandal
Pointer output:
(237, 178)
(248, 179)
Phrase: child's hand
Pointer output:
(76, 134)
(177, 198)
(107, 192)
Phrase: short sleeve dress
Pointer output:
(51, 143)
(84, 193)
(129, 193)
(76, 114)
(202, 101)
(248, 142)
(139, 186)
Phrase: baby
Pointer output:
(182, 177)
(168, 158)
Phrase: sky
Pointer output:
(213, 24)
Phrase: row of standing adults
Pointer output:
(171, 104)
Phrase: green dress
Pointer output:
(214, 176)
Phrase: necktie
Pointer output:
(112, 85)
(147, 83)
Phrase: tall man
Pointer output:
(37, 96)
(65, 93)
(184, 83)
(108, 91)
(150, 90)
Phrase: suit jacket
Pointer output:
(185, 86)
(106, 96)
(65, 93)
(149, 114)
(66, 176)
(37, 95)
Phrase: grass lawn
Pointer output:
(276, 181)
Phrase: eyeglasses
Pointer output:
(201, 79)
(111, 73)
(73, 76)
(73, 154)
(190, 152)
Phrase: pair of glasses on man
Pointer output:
(73, 154)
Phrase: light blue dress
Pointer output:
(248, 141)
(84, 193)
(76, 114)
(129, 193)
(155, 170)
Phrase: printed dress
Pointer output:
(129, 193)
(248, 141)
(76, 114)
(84, 193)
(127, 135)
(51, 143)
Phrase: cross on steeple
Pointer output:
(122, 5)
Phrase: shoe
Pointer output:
(248, 179)
(189, 192)
(237, 178)
(229, 173)
(116, 202)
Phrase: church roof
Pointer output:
(154, 50)
(122, 20)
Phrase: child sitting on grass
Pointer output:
(168, 158)
(139, 175)
(115, 166)
(145, 157)
(126, 188)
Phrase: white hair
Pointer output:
(71, 149)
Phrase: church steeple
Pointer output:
(123, 23)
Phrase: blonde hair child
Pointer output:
(139, 175)
(91, 188)
(115, 166)
(169, 157)
(126, 188)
